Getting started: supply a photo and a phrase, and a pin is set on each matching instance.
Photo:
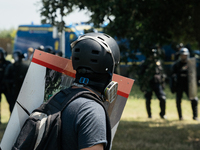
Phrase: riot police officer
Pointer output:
(49, 49)
(151, 78)
(28, 58)
(15, 74)
(3, 65)
(180, 78)
(41, 47)
(59, 53)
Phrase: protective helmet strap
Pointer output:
(109, 93)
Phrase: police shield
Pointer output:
(192, 79)
(48, 74)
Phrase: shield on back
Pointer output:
(192, 78)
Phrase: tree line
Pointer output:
(143, 23)
(7, 39)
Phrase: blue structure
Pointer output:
(36, 35)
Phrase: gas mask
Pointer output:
(110, 92)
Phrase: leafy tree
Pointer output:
(7, 33)
(7, 37)
(53, 9)
(143, 23)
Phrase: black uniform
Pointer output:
(3, 86)
(15, 75)
(151, 79)
(180, 72)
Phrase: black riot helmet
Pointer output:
(41, 47)
(49, 49)
(95, 52)
(179, 46)
(18, 55)
(2, 54)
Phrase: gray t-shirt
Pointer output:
(83, 124)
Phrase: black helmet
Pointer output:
(96, 52)
(3, 52)
(41, 47)
(59, 53)
(18, 55)
(180, 45)
(49, 49)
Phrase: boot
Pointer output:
(148, 107)
(178, 105)
(162, 108)
(194, 104)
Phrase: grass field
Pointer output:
(137, 132)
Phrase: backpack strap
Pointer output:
(61, 99)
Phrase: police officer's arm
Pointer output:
(95, 147)
(173, 73)
(8, 75)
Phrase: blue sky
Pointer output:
(17, 12)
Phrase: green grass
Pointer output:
(5, 114)
(137, 132)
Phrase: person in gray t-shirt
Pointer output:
(94, 57)
(87, 128)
